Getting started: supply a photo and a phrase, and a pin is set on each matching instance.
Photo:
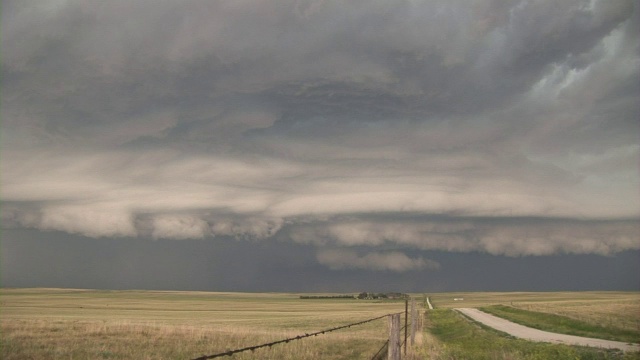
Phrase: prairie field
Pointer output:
(97, 324)
(605, 315)
(602, 308)
(452, 336)
(91, 324)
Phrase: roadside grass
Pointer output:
(456, 337)
(562, 324)
(88, 324)
(622, 311)
(611, 310)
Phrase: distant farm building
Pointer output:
(376, 296)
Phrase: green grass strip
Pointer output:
(464, 339)
(561, 324)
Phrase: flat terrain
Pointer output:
(222, 310)
(539, 300)
(91, 324)
(56, 323)
(528, 333)
(451, 335)
(602, 308)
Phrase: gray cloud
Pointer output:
(391, 261)
(190, 62)
(497, 236)
(488, 126)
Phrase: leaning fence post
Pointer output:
(394, 337)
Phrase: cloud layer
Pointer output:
(501, 127)
(392, 261)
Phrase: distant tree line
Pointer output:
(361, 296)
(307, 297)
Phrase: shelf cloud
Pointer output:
(362, 128)
(376, 261)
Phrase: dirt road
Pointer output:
(527, 333)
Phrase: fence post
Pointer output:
(394, 337)
(406, 324)
(414, 321)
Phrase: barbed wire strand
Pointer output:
(384, 346)
(253, 348)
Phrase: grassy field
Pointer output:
(535, 301)
(89, 324)
(619, 310)
(454, 337)
(83, 324)
(610, 315)
(563, 324)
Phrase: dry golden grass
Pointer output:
(618, 309)
(87, 324)
(81, 324)
(621, 313)
(87, 340)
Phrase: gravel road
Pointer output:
(528, 333)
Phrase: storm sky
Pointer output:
(321, 145)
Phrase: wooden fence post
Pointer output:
(414, 321)
(394, 337)
(406, 324)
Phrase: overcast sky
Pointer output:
(321, 145)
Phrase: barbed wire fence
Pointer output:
(378, 356)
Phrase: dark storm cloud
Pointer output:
(501, 127)
(32, 258)
(497, 236)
